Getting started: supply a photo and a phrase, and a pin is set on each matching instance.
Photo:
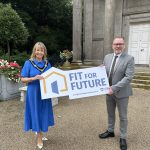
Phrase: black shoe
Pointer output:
(123, 144)
(106, 134)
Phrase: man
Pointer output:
(120, 71)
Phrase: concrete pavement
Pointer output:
(77, 125)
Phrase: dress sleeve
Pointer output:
(49, 66)
(25, 70)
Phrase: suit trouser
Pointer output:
(122, 104)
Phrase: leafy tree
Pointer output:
(12, 29)
(49, 21)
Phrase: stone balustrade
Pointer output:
(23, 95)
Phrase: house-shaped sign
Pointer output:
(54, 83)
(75, 83)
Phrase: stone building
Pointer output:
(97, 22)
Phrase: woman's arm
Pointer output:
(27, 80)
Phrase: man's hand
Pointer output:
(110, 91)
(101, 65)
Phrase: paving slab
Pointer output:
(77, 125)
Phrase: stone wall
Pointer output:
(102, 20)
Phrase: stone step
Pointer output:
(142, 73)
(138, 81)
(142, 86)
(73, 66)
(142, 69)
(141, 77)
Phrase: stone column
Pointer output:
(118, 18)
(77, 30)
(88, 30)
(109, 25)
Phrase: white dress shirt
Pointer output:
(113, 61)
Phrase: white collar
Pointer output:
(117, 55)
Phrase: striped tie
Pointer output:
(112, 70)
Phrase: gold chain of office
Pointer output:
(38, 68)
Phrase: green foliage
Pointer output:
(55, 60)
(1, 51)
(49, 38)
(17, 56)
(12, 28)
(20, 57)
(49, 21)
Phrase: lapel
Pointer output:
(120, 61)
(110, 61)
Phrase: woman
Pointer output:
(38, 113)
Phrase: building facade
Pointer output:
(97, 22)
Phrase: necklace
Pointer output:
(37, 67)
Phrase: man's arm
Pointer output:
(129, 73)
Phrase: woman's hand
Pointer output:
(38, 77)
(27, 80)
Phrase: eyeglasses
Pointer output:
(118, 44)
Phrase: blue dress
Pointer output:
(38, 113)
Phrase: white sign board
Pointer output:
(87, 82)
(75, 83)
(54, 84)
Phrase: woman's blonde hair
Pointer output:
(41, 45)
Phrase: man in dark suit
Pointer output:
(120, 70)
